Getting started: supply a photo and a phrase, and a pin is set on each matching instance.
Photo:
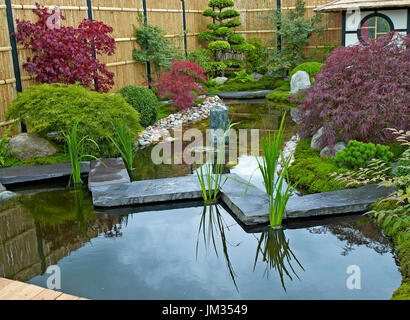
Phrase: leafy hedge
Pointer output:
(144, 101)
(55, 107)
(312, 171)
(312, 68)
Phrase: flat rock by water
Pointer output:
(108, 172)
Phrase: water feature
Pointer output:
(188, 251)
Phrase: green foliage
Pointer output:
(233, 23)
(219, 46)
(165, 111)
(256, 57)
(242, 48)
(282, 85)
(278, 96)
(403, 165)
(242, 77)
(214, 66)
(313, 172)
(236, 39)
(124, 143)
(144, 101)
(209, 13)
(358, 155)
(60, 157)
(75, 146)
(54, 107)
(223, 32)
(295, 31)
(234, 63)
(4, 153)
(206, 36)
(312, 68)
(221, 4)
(201, 57)
(227, 14)
(154, 47)
(265, 83)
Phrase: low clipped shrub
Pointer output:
(201, 57)
(242, 77)
(358, 155)
(312, 68)
(219, 46)
(313, 172)
(55, 107)
(144, 101)
(278, 96)
(234, 63)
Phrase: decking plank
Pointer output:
(47, 295)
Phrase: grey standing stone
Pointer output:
(2, 188)
(220, 80)
(256, 76)
(219, 123)
(317, 143)
(328, 152)
(300, 80)
(27, 146)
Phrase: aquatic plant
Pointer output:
(215, 226)
(76, 151)
(124, 143)
(278, 196)
(277, 254)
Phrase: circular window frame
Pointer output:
(376, 14)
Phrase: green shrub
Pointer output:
(313, 172)
(234, 63)
(242, 77)
(358, 155)
(4, 152)
(312, 68)
(219, 46)
(233, 23)
(55, 107)
(144, 101)
(214, 66)
(201, 57)
(278, 96)
(403, 165)
(242, 48)
(224, 32)
(236, 39)
(256, 57)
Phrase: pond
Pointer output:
(188, 251)
(185, 250)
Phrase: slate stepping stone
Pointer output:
(108, 172)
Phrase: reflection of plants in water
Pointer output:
(276, 253)
(211, 226)
(357, 233)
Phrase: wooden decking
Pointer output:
(15, 290)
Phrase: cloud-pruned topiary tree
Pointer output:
(220, 33)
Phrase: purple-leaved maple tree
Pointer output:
(360, 91)
(182, 84)
(67, 54)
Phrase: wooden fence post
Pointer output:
(184, 27)
(13, 44)
(144, 6)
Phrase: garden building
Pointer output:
(364, 19)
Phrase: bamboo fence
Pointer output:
(122, 15)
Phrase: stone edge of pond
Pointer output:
(235, 195)
(17, 175)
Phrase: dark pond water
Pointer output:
(186, 251)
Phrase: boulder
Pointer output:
(257, 76)
(296, 114)
(328, 152)
(27, 146)
(220, 80)
(2, 188)
(317, 143)
(300, 80)
(219, 123)
(6, 195)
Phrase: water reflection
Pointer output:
(212, 226)
(275, 252)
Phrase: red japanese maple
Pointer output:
(67, 54)
(182, 84)
(359, 91)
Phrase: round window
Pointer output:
(374, 26)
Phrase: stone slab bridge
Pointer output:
(111, 187)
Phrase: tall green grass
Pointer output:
(124, 144)
(274, 185)
(75, 148)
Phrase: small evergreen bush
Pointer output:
(144, 101)
(358, 155)
(55, 107)
(278, 96)
(312, 68)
